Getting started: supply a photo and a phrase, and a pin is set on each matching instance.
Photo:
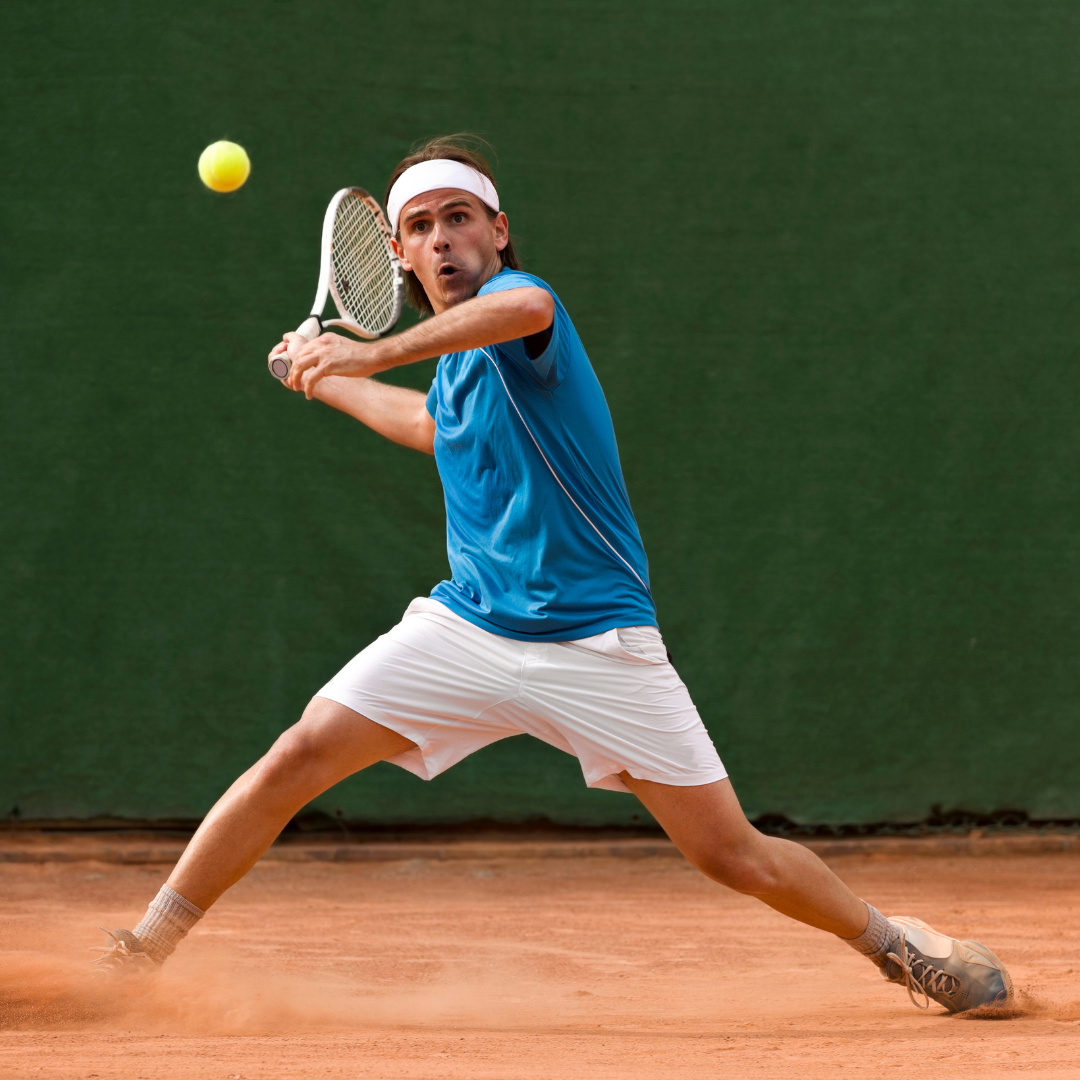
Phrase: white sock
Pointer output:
(165, 924)
(878, 939)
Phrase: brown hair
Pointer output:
(461, 148)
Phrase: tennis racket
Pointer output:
(359, 270)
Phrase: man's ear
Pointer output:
(500, 228)
(399, 251)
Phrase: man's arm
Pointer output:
(394, 411)
(483, 320)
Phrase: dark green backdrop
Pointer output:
(824, 257)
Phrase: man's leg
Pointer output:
(708, 826)
(329, 743)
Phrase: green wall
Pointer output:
(824, 257)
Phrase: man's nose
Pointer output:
(439, 239)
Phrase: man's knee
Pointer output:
(329, 742)
(744, 866)
(281, 762)
(294, 753)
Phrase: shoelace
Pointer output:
(927, 981)
(112, 955)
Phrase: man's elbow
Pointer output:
(424, 435)
(537, 311)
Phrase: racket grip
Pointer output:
(281, 365)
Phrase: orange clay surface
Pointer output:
(519, 968)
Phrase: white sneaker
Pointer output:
(960, 975)
(124, 956)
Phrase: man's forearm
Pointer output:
(484, 320)
(396, 412)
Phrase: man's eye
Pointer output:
(459, 218)
(419, 226)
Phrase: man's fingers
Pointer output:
(310, 378)
(307, 369)
(291, 342)
(280, 347)
(312, 361)
(302, 358)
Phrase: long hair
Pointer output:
(458, 147)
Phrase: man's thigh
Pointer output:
(699, 818)
(335, 741)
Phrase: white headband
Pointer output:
(432, 175)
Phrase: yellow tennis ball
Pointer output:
(224, 166)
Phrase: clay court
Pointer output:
(528, 961)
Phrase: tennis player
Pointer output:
(546, 626)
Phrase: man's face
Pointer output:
(451, 245)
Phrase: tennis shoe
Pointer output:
(960, 975)
(125, 956)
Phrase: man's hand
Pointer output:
(483, 320)
(328, 354)
(322, 370)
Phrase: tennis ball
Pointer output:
(224, 166)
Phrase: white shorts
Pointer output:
(613, 700)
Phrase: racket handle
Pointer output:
(281, 365)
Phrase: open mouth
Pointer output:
(448, 271)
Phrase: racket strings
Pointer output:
(363, 269)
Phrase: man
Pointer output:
(547, 625)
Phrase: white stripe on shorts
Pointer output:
(613, 700)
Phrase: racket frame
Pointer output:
(281, 364)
